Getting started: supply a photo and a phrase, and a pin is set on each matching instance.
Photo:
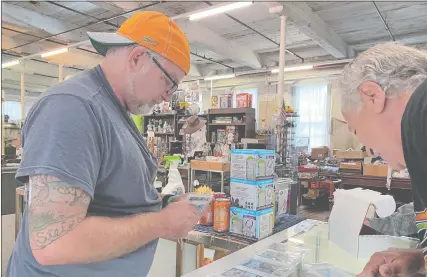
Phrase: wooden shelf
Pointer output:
(377, 182)
(227, 124)
(164, 134)
(229, 111)
(160, 115)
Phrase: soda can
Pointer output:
(221, 221)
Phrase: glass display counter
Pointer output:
(312, 235)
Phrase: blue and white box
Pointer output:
(252, 195)
(252, 164)
(251, 224)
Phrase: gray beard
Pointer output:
(144, 110)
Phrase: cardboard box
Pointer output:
(209, 165)
(282, 188)
(244, 100)
(347, 231)
(252, 195)
(251, 224)
(319, 152)
(351, 155)
(252, 164)
(356, 165)
(379, 170)
(219, 166)
(202, 165)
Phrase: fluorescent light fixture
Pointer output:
(218, 10)
(295, 68)
(219, 77)
(9, 64)
(54, 52)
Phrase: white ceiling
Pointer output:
(316, 32)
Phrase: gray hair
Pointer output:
(396, 68)
(119, 50)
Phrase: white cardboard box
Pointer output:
(252, 164)
(251, 224)
(252, 195)
(346, 222)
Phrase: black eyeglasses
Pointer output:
(174, 87)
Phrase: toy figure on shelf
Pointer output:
(165, 127)
(150, 127)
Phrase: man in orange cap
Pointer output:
(92, 207)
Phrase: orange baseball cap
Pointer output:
(152, 30)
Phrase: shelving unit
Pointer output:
(170, 118)
(246, 129)
(286, 148)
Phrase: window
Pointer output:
(13, 108)
(312, 102)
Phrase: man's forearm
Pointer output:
(98, 239)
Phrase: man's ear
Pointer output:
(137, 59)
(373, 96)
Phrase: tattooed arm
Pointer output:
(60, 232)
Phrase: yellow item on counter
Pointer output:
(203, 190)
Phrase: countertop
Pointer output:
(316, 239)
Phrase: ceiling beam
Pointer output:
(13, 93)
(107, 6)
(73, 58)
(30, 19)
(419, 38)
(194, 70)
(311, 25)
(218, 44)
(30, 79)
(210, 40)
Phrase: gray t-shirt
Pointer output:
(79, 132)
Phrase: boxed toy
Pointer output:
(252, 195)
(251, 224)
(282, 187)
(252, 164)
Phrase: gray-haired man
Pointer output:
(384, 100)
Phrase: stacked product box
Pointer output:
(252, 164)
(252, 193)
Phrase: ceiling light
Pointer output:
(295, 68)
(218, 10)
(9, 64)
(54, 52)
(219, 77)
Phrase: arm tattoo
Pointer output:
(55, 209)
